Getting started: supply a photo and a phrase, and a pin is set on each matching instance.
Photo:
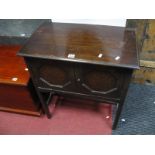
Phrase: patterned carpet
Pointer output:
(138, 115)
(72, 117)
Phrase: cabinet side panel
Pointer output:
(18, 99)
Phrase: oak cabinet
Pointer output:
(84, 61)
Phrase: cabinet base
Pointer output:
(20, 111)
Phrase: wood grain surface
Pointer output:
(12, 68)
(105, 45)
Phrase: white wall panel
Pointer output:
(112, 22)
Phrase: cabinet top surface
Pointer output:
(98, 44)
(13, 69)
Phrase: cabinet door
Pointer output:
(50, 74)
(99, 80)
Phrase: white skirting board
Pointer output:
(110, 22)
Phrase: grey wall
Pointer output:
(19, 27)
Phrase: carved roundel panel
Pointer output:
(100, 81)
(53, 74)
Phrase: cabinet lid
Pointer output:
(12, 67)
(98, 44)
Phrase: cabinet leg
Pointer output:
(118, 113)
(44, 105)
(127, 78)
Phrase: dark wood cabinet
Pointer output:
(86, 61)
(88, 79)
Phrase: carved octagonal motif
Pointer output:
(104, 82)
(53, 76)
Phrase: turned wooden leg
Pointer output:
(122, 99)
(117, 115)
(44, 105)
